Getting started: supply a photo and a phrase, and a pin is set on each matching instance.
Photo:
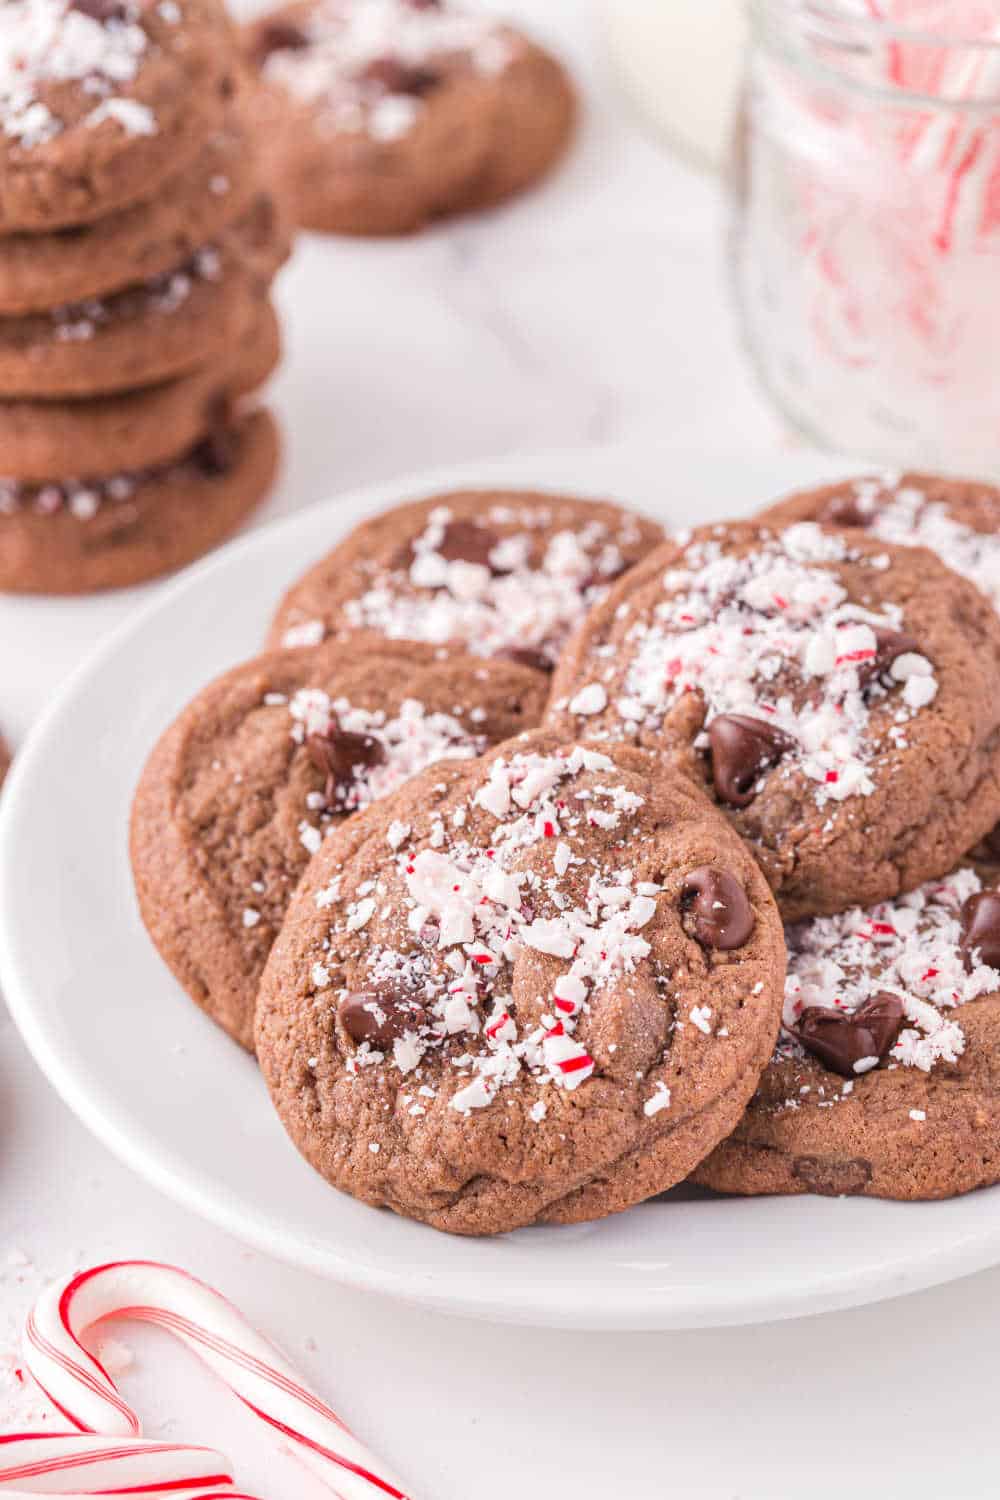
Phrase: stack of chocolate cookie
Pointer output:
(727, 906)
(137, 246)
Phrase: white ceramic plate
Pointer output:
(186, 1108)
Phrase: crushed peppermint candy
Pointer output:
(658, 1099)
(772, 636)
(897, 510)
(910, 948)
(409, 741)
(162, 296)
(48, 42)
(84, 498)
(474, 908)
(513, 602)
(368, 67)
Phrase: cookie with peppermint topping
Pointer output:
(102, 100)
(75, 536)
(533, 986)
(885, 1081)
(151, 331)
(957, 519)
(245, 786)
(46, 441)
(385, 114)
(835, 693)
(40, 271)
(503, 573)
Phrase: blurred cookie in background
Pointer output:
(382, 115)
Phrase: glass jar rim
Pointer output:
(833, 13)
(831, 39)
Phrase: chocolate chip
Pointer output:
(720, 912)
(525, 656)
(833, 1176)
(981, 930)
(465, 541)
(742, 747)
(462, 541)
(215, 455)
(844, 510)
(278, 36)
(992, 842)
(398, 77)
(597, 579)
(101, 10)
(378, 1016)
(842, 1038)
(888, 645)
(338, 753)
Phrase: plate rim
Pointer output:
(730, 1303)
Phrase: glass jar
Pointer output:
(867, 244)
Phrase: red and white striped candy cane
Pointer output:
(69, 1465)
(199, 1317)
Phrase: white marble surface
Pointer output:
(593, 312)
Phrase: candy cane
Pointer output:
(69, 1465)
(209, 1325)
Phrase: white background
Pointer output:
(593, 312)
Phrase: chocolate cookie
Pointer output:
(42, 271)
(499, 572)
(102, 100)
(887, 1080)
(534, 986)
(151, 332)
(78, 536)
(44, 440)
(837, 695)
(4, 759)
(389, 113)
(958, 519)
(242, 789)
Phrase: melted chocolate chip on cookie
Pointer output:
(889, 644)
(379, 1016)
(743, 747)
(981, 930)
(719, 912)
(842, 1040)
(466, 541)
(398, 77)
(526, 656)
(338, 753)
(845, 510)
(278, 36)
(101, 10)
